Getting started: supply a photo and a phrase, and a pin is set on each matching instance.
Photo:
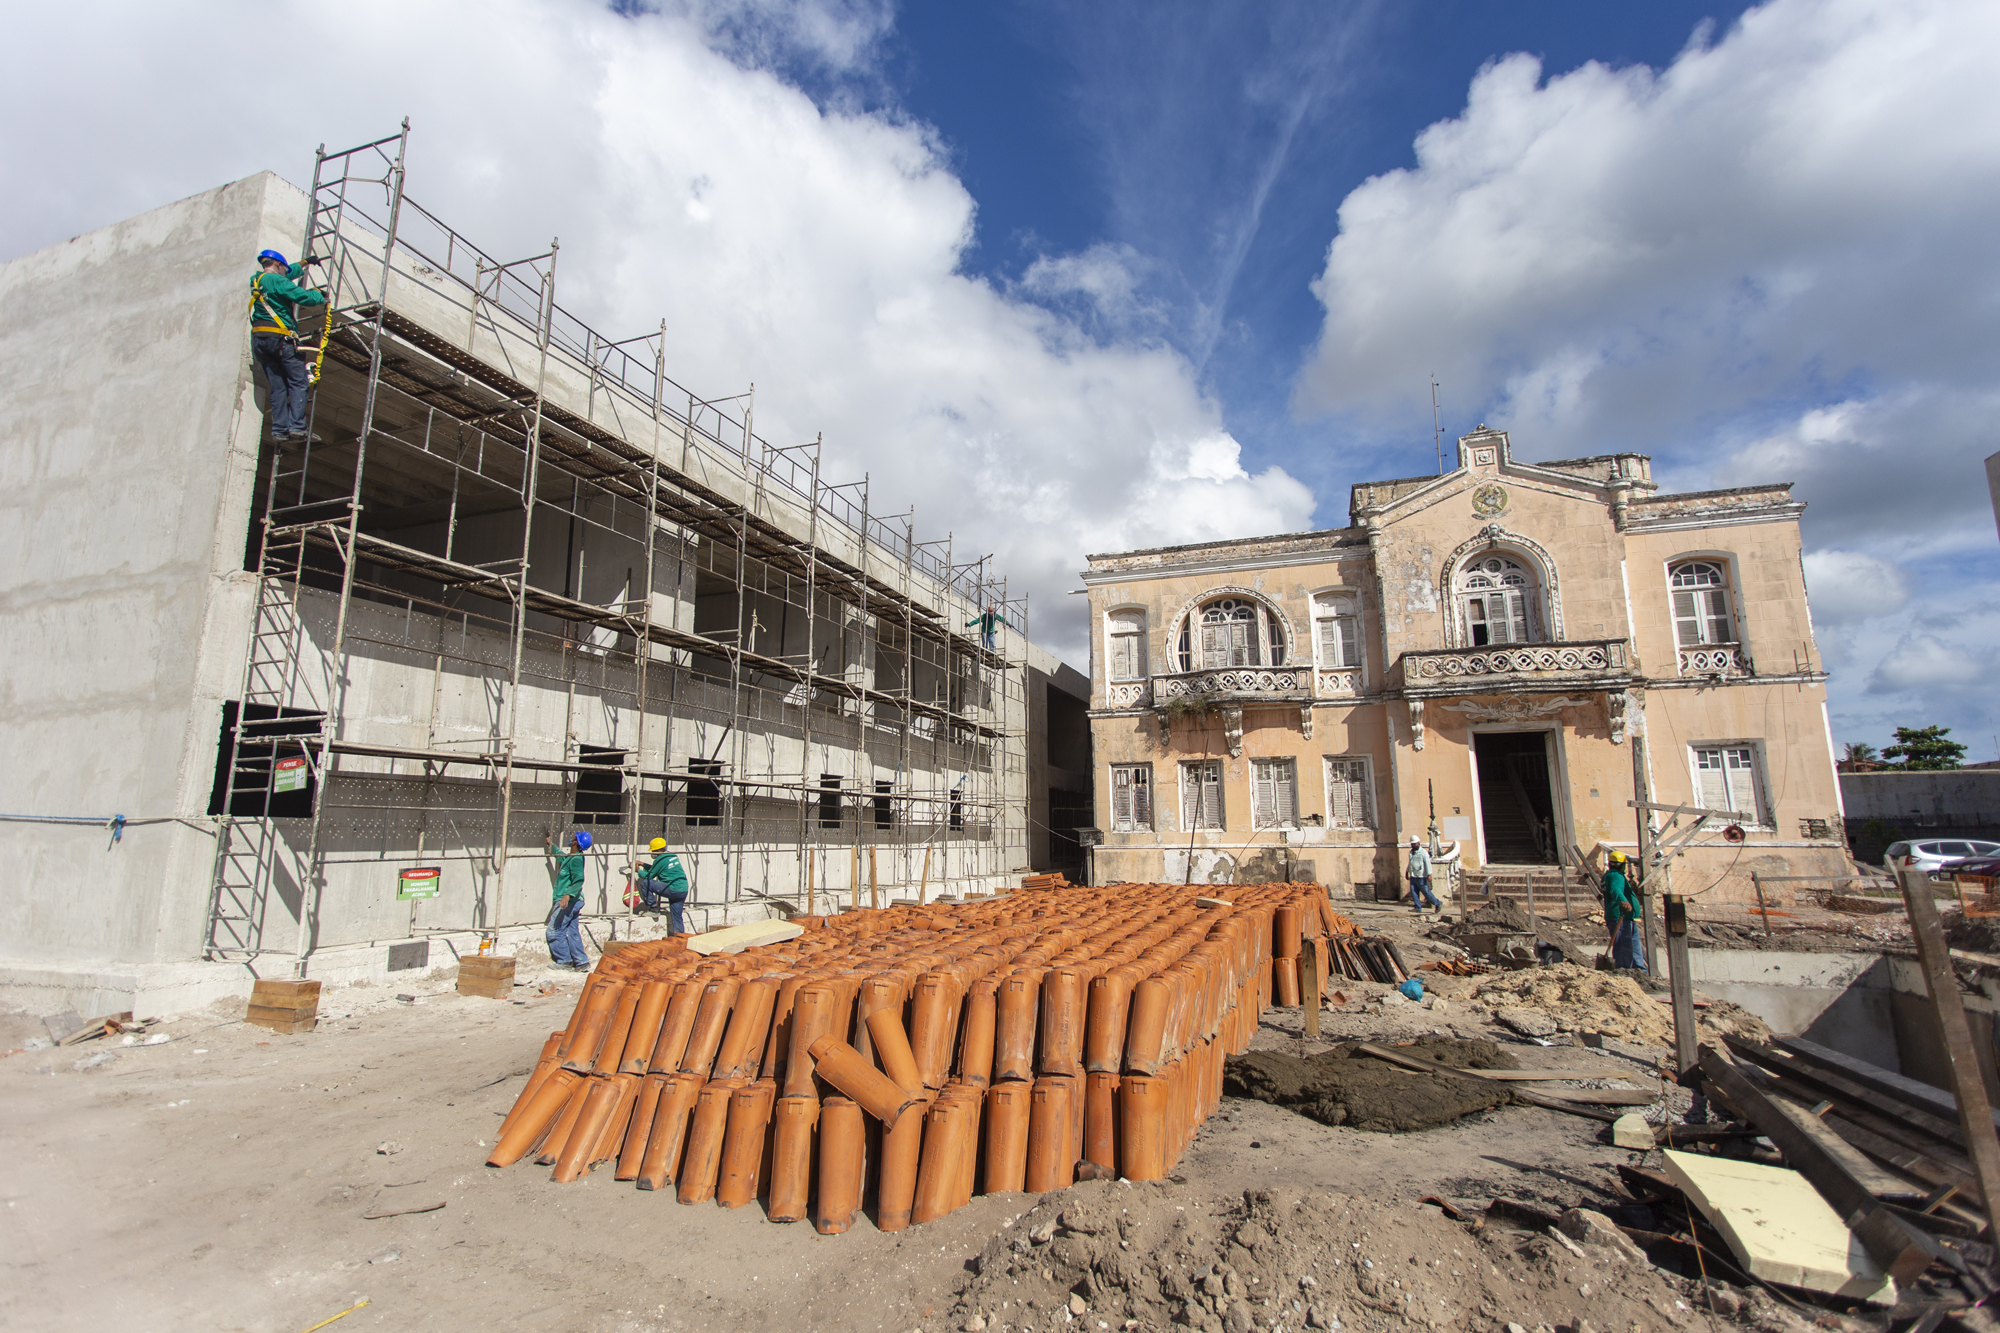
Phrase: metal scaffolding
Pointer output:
(516, 578)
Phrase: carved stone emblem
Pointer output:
(1513, 708)
(1490, 500)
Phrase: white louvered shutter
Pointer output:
(1715, 608)
(1714, 785)
(1211, 797)
(1687, 619)
(1347, 793)
(1142, 798)
(1190, 796)
(1508, 617)
(1121, 798)
(1349, 631)
(1214, 646)
(1242, 643)
(1264, 793)
(1741, 768)
(1285, 793)
(1329, 642)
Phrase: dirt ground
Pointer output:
(233, 1179)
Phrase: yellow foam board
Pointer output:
(1779, 1227)
(735, 939)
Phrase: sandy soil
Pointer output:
(226, 1180)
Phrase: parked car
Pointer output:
(1930, 854)
(1988, 866)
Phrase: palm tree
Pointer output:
(1859, 752)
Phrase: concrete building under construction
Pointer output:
(313, 708)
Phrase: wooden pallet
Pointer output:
(284, 1006)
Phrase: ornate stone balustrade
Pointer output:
(1129, 694)
(1586, 664)
(1240, 683)
(1715, 659)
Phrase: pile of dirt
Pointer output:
(1111, 1255)
(1723, 1018)
(1581, 999)
(1977, 934)
(1579, 939)
(1345, 1087)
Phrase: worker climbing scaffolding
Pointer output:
(275, 296)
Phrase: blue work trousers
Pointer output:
(674, 912)
(565, 935)
(285, 373)
(1627, 947)
(1420, 892)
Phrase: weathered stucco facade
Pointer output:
(1530, 647)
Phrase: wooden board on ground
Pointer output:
(284, 1006)
(1779, 1227)
(735, 939)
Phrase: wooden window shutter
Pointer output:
(1211, 796)
(1121, 798)
(1687, 620)
(1718, 615)
(1264, 794)
(1741, 767)
(1142, 798)
(1329, 642)
(1214, 646)
(1714, 792)
(1285, 788)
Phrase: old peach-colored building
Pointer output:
(1510, 647)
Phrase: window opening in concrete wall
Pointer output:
(1274, 794)
(957, 817)
(600, 788)
(1127, 630)
(273, 779)
(1131, 797)
(703, 805)
(1498, 600)
(1349, 802)
(885, 816)
(1516, 797)
(829, 800)
(1701, 604)
(1068, 812)
(1337, 630)
(1201, 794)
(1726, 778)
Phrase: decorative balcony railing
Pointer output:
(1246, 683)
(1587, 664)
(1715, 659)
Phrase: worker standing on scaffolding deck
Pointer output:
(664, 878)
(1621, 915)
(564, 936)
(275, 296)
(989, 621)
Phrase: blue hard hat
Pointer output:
(583, 842)
(273, 256)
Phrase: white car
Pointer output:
(1931, 853)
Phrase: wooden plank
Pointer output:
(1900, 1249)
(270, 986)
(300, 1003)
(1900, 1087)
(1905, 1117)
(1975, 1113)
(735, 939)
(1608, 1096)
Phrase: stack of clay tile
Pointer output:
(912, 1057)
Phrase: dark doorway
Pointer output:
(1516, 807)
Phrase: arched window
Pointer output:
(1231, 632)
(1701, 604)
(1499, 601)
(1125, 632)
(1336, 630)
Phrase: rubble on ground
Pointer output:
(1580, 999)
(1347, 1087)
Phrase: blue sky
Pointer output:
(1074, 278)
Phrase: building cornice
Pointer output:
(1093, 578)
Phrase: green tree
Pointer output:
(1859, 752)
(1924, 748)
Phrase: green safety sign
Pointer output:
(289, 774)
(418, 882)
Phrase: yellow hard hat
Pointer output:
(1617, 858)
(657, 845)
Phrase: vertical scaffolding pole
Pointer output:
(337, 687)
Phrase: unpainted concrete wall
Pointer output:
(131, 421)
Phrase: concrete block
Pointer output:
(1589, 1227)
(1632, 1131)
(1779, 1227)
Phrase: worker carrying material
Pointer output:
(564, 935)
(663, 878)
(1621, 915)
(275, 296)
(1419, 875)
(989, 621)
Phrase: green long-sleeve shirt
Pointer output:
(667, 871)
(275, 299)
(1618, 904)
(569, 876)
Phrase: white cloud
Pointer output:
(1923, 661)
(811, 249)
(1850, 586)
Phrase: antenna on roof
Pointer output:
(1437, 424)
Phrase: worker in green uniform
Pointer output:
(664, 877)
(564, 935)
(275, 298)
(1621, 915)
